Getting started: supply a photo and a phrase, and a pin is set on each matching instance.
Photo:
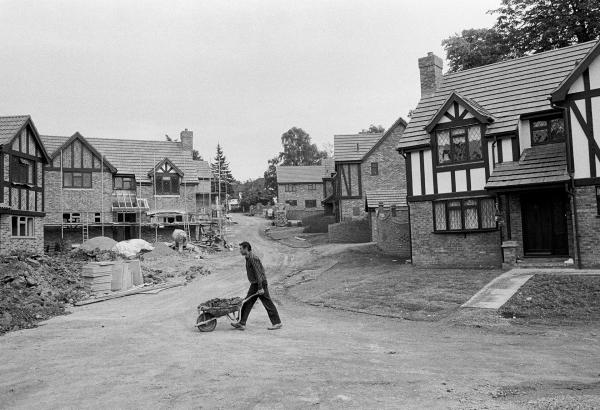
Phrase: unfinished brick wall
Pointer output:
(10, 244)
(588, 223)
(461, 250)
(357, 231)
(93, 200)
(392, 233)
(348, 206)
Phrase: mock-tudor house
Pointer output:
(122, 188)
(365, 164)
(22, 160)
(302, 188)
(502, 161)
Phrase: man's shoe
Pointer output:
(275, 327)
(238, 326)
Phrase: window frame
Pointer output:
(174, 183)
(290, 188)
(312, 187)
(20, 170)
(312, 201)
(119, 183)
(374, 169)
(72, 185)
(548, 120)
(449, 130)
(28, 222)
(462, 209)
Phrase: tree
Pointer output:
(298, 149)
(474, 48)
(252, 192)
(270, 176)
(525, 27)
(220, 165)
(373, 129)
(196, 155)
(533, 26)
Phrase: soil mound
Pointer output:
(160, 251)
(101, 242)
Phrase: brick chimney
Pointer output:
(430, 68)
(187, 139)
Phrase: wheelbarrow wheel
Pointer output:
(206, 327)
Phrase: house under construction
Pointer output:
(124, 189)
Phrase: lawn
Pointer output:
(373, 283)
(559, 299)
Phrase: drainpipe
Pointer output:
(571, 186)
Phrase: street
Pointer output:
(143, 351)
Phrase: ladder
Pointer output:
(85, 226)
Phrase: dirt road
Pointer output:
(144, 352)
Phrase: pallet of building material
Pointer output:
(97, 276)
(280, 218)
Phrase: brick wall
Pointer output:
(347, 209)
(462, 250)
(589, 226)
(302, 194)
(392, 233)
(172, 202)
(8, 244)
(78, 200)
(357, 231)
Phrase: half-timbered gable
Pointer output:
(492, 154)
(22, 159)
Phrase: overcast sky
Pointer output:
(236, 72)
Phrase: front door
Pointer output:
(545, 224)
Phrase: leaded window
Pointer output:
(544, 131)
(469, 214)
(459, 144)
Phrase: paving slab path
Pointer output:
(501, 289)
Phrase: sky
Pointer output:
(238, 73)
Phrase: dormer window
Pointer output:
(545, 131)
(459, 144)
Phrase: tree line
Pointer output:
(524, 27)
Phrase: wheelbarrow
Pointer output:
(209, 311)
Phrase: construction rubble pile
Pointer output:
(35, 289)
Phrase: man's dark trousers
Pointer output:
(266, 301)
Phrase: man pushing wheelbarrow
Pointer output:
(258, 290)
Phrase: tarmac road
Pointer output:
(144, 352)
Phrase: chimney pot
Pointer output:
(430, 68)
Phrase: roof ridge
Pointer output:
(512, 60)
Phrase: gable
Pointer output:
(165, 167)
(25, 138)
(78, 153)
(458, 108)
(573, 83)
